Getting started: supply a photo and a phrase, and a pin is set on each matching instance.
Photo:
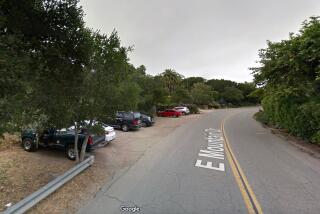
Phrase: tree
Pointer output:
(202, 94)
(52, 49)
(220, 85)
(171, 79)
(289, 77)
(247, 88)
(181, 95)
(190, 81)
(232, 95)
(15, 62)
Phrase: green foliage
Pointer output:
(232, 95)
(291, 112)
(289, 75)
(193, 108)
(128, 94)
(171, 80)
(214, 105)
(190, 81)
(261, 117)
(220, 85)
(181, 95)
(202, 94)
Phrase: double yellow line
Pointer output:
(248, 195)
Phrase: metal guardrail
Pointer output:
(34, 198)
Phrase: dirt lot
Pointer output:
(21, 173)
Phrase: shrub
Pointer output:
(261, 117)
(300, 117)
(214, 105)
(193, 108)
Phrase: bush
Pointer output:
(301, 117)
(316, 138)
(193, 108)
(261, 117)
(214, 105)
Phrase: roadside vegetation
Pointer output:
(56, 72)
(289, 82)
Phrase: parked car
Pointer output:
(184, 110)
(125, 121)
(63, 139)
(146, 120)
(169, 113)
(109, 133)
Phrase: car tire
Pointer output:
(70, 153)
(125, 127)
(29, 145)
(143, 124)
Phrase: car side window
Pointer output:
(128, 116)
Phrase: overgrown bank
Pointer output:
(289, 77)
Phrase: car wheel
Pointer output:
(28, 145)
(71, 154)
(143, 124)
(125, 127)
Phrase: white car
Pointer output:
(110, 134)
(184, 110)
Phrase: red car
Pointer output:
(169, 113)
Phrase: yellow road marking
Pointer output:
(248, 195)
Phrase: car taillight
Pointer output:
(90, 140)
(135, 122)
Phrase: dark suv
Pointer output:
(146, 120)
(126, 121)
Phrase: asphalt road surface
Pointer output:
(224, 162)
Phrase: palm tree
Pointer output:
(171, 79)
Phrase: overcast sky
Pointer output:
(208, 38)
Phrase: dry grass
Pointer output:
(22, 173)
(8, 141)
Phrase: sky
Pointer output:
(209, 38)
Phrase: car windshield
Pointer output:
(136, 115)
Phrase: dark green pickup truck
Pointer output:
(63, 139)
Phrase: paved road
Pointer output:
(225, 162)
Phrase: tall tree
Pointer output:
(171, 79)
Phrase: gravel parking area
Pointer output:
(22, 172)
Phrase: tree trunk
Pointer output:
(76, 141)
(85, 142)
(84, 147)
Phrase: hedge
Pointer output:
(299, 117)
